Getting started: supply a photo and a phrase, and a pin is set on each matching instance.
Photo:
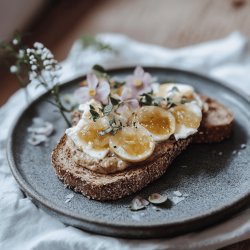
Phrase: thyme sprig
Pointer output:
(108, 111)
(148, 99)
(114, 126)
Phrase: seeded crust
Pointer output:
(112, 186)
(216, 126)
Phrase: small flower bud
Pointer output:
(13, 69)
(15, 41)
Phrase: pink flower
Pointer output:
(128, 100)
(98, 90)
(140, 82)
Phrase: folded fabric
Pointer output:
(24, 226)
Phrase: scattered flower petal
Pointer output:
(156, 208)
(39, 131)
(36, 139)
(69, 198)
(177, 199)
(177, 193)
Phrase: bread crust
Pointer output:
(112, 186)
(216, 124)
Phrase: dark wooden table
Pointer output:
(170, 23)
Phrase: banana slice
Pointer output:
(86, 136)
(188, 118)
(132, 144)
(165, 89)
(159, 122)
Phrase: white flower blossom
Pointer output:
(48, 67)
(20, 53)
(13, 69)
(32, 75)
(39, 51)
(30, 51)
(15, 41)
(38, 45)
(34, 67)
(43, 56)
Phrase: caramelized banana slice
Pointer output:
(159, 122)
(89, 140)
(188, 118)
(132, 144)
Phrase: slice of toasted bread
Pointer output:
(112, 186)
(216, 126)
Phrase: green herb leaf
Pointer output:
(117, 84)
(157, 101)
(114, 101)
(107, 109)
(91, 107)
(112, 121)
(170, 102)
(98, 68)
(146, 100)
(94, 115)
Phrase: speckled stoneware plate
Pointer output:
(216, 177)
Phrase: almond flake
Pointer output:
(157, 198)
(138, 203)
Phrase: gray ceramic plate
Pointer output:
(218, 184)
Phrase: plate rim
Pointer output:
(27, 189)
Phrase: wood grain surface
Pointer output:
(170, 23)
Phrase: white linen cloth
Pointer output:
(23, 226)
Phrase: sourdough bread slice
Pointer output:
(216, 126)
(112, 186)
